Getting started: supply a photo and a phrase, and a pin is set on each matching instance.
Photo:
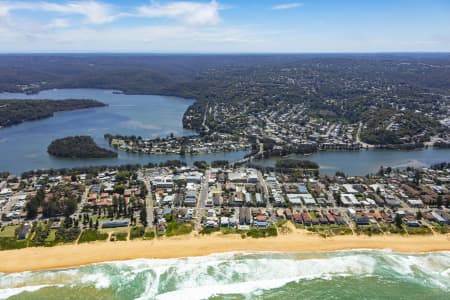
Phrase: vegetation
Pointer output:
(207, 230)
(137, 232)
(291, 165)
(173, 229)
(149, 235)
(262, 232)
(13, 112)
(8, 231)
(60, 202)
(10, 243)
(120, 236)
(67, 235)
(91, 235)
(78, 147)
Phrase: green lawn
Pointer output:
(9, 231)
(137, 232)
(92, 235)
(173, 228)
(9, 243)
(121, 236)
(418, 230)
(51, 236)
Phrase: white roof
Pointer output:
(308, 199)
(349, 188)
(349, 199)
(294, 198)
(415, 202)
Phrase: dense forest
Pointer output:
(14, 112)
(78, 147)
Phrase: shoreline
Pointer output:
(72, 255)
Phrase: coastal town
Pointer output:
(179, 145)
(285, 128)
(119, 204)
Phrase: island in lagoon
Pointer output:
(83, 147)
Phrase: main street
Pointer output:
(202, 200)
(149, 203)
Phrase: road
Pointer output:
(202, 200)
(83, 202)
(265, 188)
(204, 119)
(358, 138)
(149, 203)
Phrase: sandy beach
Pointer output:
(31, 259)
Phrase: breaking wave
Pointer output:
(244, 274)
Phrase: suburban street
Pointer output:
(202, 200)
(149, 203)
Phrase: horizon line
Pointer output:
(220, 53)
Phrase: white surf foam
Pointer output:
(200, 278)
(9, 292)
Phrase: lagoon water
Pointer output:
(337, 275)
(369, 161)
(24, 147)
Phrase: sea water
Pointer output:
(337, 275)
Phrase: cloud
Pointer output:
(192, 13)
(94, 12)
(58, 23)
(287, 6)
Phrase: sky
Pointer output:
(225, 26)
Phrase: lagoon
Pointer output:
(24, 147)
(369, 161)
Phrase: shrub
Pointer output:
(121, 236)
(137, 232)
(149, 235)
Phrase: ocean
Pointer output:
(364, 274)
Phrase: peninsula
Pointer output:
(13, 112)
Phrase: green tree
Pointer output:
(143, 216)
(398, 221)
(31, 208)
(419, 215)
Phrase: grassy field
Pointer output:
(9, 231)
(173, 229)
(137, 232)
(91, 236)
(51, 236)
(121, 236)
(149, 235)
